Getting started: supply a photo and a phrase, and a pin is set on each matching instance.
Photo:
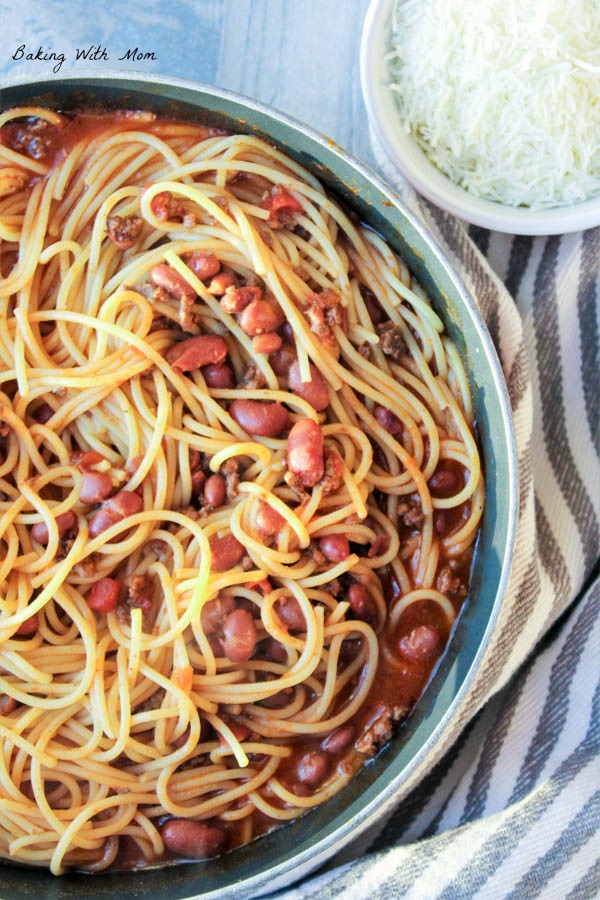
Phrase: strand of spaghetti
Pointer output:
(422, 594)
(223, 729)
(19, 159)
(226, 797)
(76, 827)
(192, 193)
(242, 448)
(100, 223)
(179, 383)
(11, 738)
(296, 524)
(16, 665)
(34, 228)
(332, 787)
(282, 727)
(305, 666)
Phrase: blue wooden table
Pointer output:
(300, 56)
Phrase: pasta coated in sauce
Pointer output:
(239, 484)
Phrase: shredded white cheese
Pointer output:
(503, 95)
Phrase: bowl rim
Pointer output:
(412, 163)
(283, 873)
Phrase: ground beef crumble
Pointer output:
(230, 471)
(410, 513)
(153, 702)
(185, 315)
(449, 584)
(139, 596)
(124, 230)
(379, 731)
(391, 340)
(253, 379)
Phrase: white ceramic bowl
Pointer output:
(416, 168)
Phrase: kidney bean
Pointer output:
(193, 840)
(287, 333)
(202, 350)
(260, 417)
(43, 413)
(263, 586)
(204, 265)
(240, 731)
(216, 646)
(115, 509)
(66, 524)
(388, 420)
(247, 604)
(220, 283)
(110, 849)
(86, 459)
(215, 490)
(266, 343)
(171, 281)
(29, 626)
(214, 613)
(260, 316)
(314, 391)
(236, 299)
(339, 740)
(198, 482)
(335, 547)
(95, 487)
(125, 503)
(362, 603)
(313, 768)
(8, 704)
(271, 648)
(226, 552)
(102, 520)
(305, 452)
(441, 522)
(380, 545)
(239, 635)
(290, 612)
(278, 700)
(268, 521)
(350, 649)
(444, 482)
(103, 595)
(184, 738)
(218, 375)
(301, 790)
(282, 359)
(423, 642)
(132, 465)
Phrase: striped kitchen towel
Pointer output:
(512, 806)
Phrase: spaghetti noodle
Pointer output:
(239, 489)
